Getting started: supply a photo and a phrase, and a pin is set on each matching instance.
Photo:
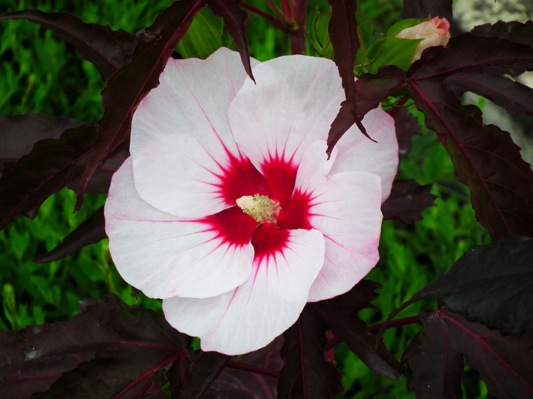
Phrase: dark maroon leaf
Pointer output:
(234, 21)
(485, 159)
(406, 127)
(371, 91)
(129, 85)
(51, 165)
(471, 53)
(342, 31)
(516, 32)
(19, 133)
(18, 370)
(204, 371)
(492, 284)
(306, 374)
(101, 179)
(427, 8)
(407, 200)
(108, 50)
(252, 376)
(436, 368)
(89, 232)
(109, 350)
(515, 97)
(340, 316)
(436, 358)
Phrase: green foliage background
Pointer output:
(42, 73)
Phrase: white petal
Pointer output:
(163, 255)
(315, 166)
(292, 105)
(357, 153)
(262, 308)
(346, 209)
(181, 139)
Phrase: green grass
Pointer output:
(41, 73)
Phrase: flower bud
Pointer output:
(435, 32)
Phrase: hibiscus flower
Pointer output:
(229, 208)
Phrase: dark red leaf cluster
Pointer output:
(491, 284)
(437, 358)
(485, 158)
(112, 351)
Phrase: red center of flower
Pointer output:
(240, 180)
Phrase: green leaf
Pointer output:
(404, 24)
(203, 37)
(319, 36)
(392, 51)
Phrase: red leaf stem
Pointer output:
(286, 7)
(252, 369)
(332, 342)
(265, 15)
(278, 11)
(298, 12)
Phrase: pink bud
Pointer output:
(435, 32)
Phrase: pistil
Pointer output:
(260, 207)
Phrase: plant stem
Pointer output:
(298, 13)
(278, 11)
(286, 8)
(376, 328)
(267, 16)
(397, 106)
(394, 323)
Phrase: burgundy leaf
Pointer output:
(234, 21)
(473, 54)
(492, 284)
(109, 350)
(407, 200)
(345, 42)
(371, 91)
(436, 358)
(204, 371)
(485, 159)
(436, 368)
(516, 32)
(108, 50)
(89, 232)
(20, 375)
(51, 165)
(252, 376)
(406, 127)
(306, 374)
(101, 179)
(515, 97)
(129, 85)
(21, 132)
(340, 316)
(427, 8)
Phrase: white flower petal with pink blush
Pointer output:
(158, 252)
(229, 209)
(435, 32)
(251, 316)
(181, 136)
